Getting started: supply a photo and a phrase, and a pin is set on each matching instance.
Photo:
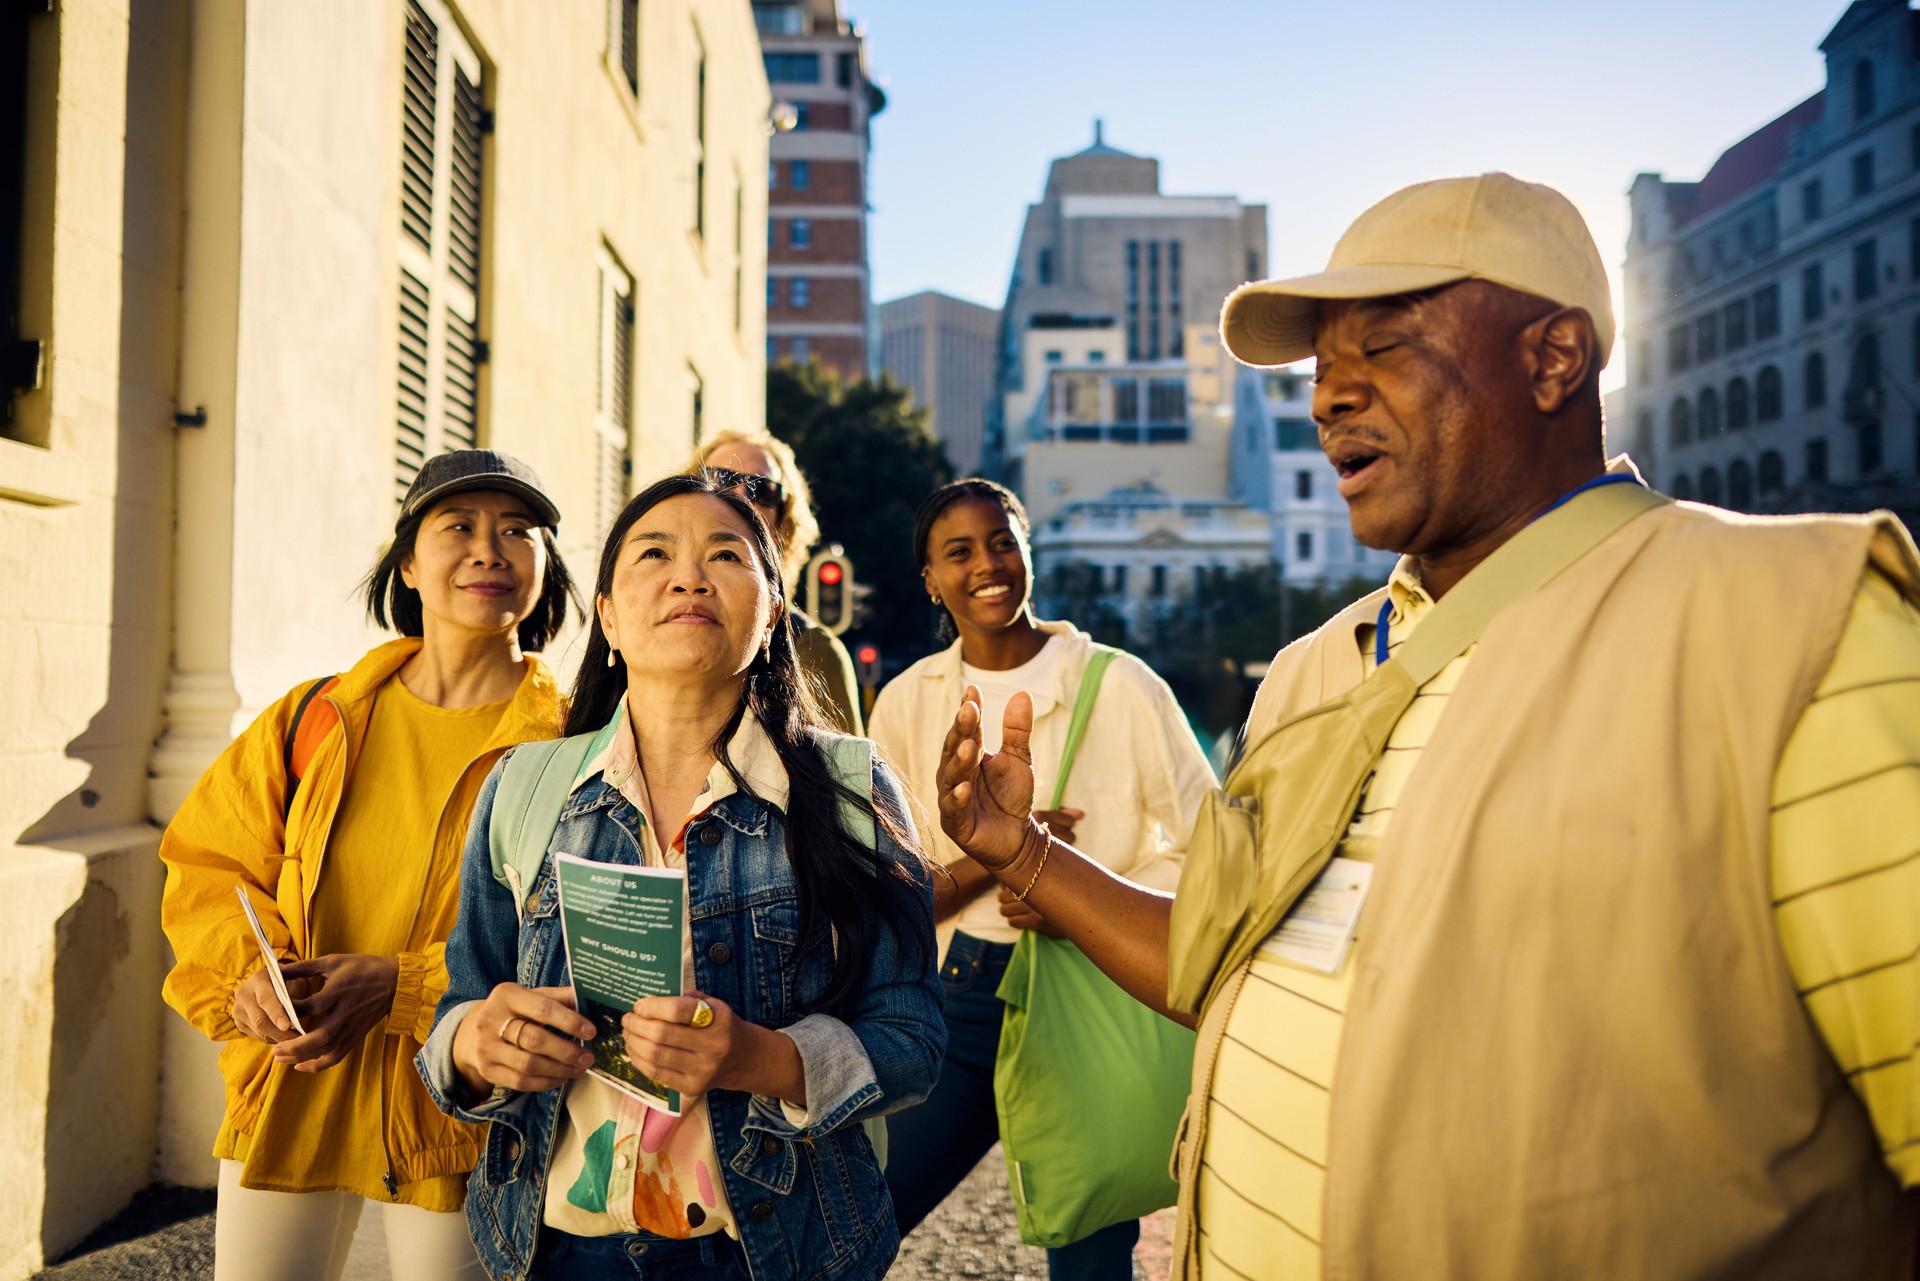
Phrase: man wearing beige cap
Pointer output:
(1562, 916)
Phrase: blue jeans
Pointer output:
(933, 1145)
(639, 1256)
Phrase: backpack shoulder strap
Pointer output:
(534, 787)
(851, 762)
(1082, 710)
(305, 732)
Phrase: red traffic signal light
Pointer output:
(830, 572)
(866, 666)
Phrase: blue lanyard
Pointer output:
(1386, 606)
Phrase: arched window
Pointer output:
(1863, 104)
(1682, 488)
(1816, 380)
(1769, 398)
(1739, 405)
(1679, 423)
(1773, 473)
(1710, 486)
(1707, 419)
(1740, 486)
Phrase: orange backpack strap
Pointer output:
(309, 728)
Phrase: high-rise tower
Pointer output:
(819, 299)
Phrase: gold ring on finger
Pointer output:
(702, 1014)
(503, 1031)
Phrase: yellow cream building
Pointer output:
(269, 256)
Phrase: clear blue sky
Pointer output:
(1315, 110)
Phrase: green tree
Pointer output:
(870, 460)
(1202, 643)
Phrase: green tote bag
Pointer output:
(1089, 1083)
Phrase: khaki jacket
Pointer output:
(1573, 1046)
(230, 833)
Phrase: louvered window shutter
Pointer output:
(613, 393)
(440, 352)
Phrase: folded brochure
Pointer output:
(623, 927)
(271, 958)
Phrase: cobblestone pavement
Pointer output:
(167, 1235)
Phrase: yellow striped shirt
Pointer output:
(1846, 883)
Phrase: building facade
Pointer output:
(1112, 271)
(941, 348)
(819, 290)
(1278, 468)
(1142, 552)
(1774, 305)
(417, 224)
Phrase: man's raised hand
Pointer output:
(986, 801)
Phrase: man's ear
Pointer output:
(1562, 351)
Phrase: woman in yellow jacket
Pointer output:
(340, 815)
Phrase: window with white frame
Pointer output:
(699, 135)
(623, 40)
(613, 392)
(443, 123)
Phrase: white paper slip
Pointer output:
(273, 962)
(1318, 928)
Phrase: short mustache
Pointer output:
(1358, 434)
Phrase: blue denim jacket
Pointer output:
(809, 1198)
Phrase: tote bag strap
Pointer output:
(1082, 709)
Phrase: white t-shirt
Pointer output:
(981, 918)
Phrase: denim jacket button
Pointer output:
(761, 1212)
(719, 954)
(513, 1149)
(770, 1145)
(710, 834)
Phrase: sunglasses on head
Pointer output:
(761, 491)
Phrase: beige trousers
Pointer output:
(305, 1236)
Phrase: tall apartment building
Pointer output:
(1774, 305)
(416, 224)
(941, 348)
(819, 291)
(1110, 271)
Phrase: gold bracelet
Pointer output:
(1044, 851)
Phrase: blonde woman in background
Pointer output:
(765, 473)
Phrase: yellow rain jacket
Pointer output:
(230, 832)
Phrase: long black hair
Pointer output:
(393, 604)
(836, 875)
(935, 505)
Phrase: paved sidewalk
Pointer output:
(167, 1235)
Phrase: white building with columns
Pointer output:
(268, 257)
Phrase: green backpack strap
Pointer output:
(533, 790)
(1082, 709)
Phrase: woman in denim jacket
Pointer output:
(812, 1000)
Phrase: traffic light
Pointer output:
(830, 589)
(866, 665)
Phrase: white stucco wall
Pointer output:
(216, 227)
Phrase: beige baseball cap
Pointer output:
(1492, 227)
